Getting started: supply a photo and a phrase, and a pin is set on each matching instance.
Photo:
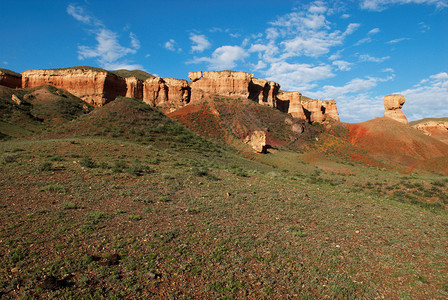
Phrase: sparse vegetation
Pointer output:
(148, 209)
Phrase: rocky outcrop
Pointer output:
(178, 93)
(257, 140)
(433, 127)
(330, 110)
(291, 103)
(264, 92)
(169, 93)
(16, 99)
(10, 79)
(314, 110)
(155, 91)
(224, 83)
(195, 76)
(134, 88)
(392, 108)
(95, 86)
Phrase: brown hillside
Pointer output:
(229, 121)
(386, 139)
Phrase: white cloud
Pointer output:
(431, 94)
(307, 32)
(108, 51)
(225, 57)
(200, 42)
(79, 14)
(395, 41)
(374, 31)
(363, 41)
(424, 27)
(171, 45)
(379, 5)
(297, 77)
(342, 65)
(369, 58)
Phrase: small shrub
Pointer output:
(46, 166)
(10, 158)
(200, 172)
(54, 188)
(87, 162)
(95, 217)
(134, 217)
(70, 205)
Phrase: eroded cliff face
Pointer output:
(223, 83)
(392, 108)
(10, 79)
(435, 128)
(134, 88)
(98, 87)
(291, 103)
(94, 87)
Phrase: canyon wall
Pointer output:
(96, 87)
(223, 83)
(10, 79)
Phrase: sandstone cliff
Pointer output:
(291, 103)
(223, 83)
(392, 108)
(10, 79)
(134, 88)
(95, 86)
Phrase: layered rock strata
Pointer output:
(10, 79)
(95, 87)
(392, 108)
(224, 83)
(435, 128)
(134, 88)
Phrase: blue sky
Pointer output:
(353, 51)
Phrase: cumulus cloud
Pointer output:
(225, 57)
(200, 42)
(379, 5)
(430, 93)
(307, 32)
(108, 51)
(297, 76)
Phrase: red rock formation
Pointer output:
(392, 108)
(10, 79)
(291, 103)
(437, 129)
(94, 86)
(224, 83)
(331, 110)
(178, 93)
(155, 91)
(314, 110)
(134, 88)
(264, 92)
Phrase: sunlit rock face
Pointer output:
(392, 108)
(93, 86)
(224, 83)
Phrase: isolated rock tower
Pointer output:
(392, 108)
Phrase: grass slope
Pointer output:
(129, 204)
(41, 108)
